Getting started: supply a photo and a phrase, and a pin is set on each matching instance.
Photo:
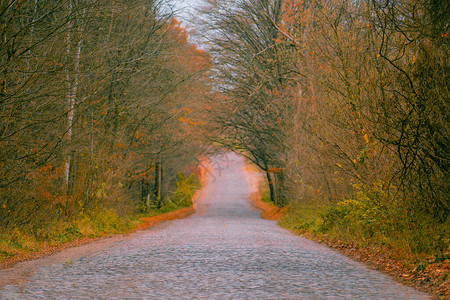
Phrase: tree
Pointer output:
(95, 98)
(252, 66)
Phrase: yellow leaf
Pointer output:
(366, 138)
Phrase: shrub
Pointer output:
(186, 187)
(365, 215)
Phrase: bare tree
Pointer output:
(253, 69)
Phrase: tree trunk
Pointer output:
(72, 93)
(271, 187)
(157, 184)
(281, 189)
(69, 98)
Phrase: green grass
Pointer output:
(265, 196)
(305, 217)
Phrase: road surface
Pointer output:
(224, 251)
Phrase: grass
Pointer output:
(102, 222)
(182, 197)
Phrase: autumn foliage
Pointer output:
(100, 109)
(344, 105)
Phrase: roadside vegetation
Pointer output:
(101, 110)
(371, 228)
(373, 217)
(17, 244)
(344, 107)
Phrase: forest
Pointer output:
(100, 119)
(107, 106)
(344, 105)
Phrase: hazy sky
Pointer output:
(187, 8)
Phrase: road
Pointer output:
(224, 251)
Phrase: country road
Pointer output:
(224, 251)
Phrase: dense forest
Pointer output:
(344, 105)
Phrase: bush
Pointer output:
(93, 222)
(101, 222)
(364, 216)
(186, 188)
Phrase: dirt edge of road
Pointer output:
(375, 258)
(268, 211)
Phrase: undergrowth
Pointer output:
(182, 197)
(97, 222)
(372, 217)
